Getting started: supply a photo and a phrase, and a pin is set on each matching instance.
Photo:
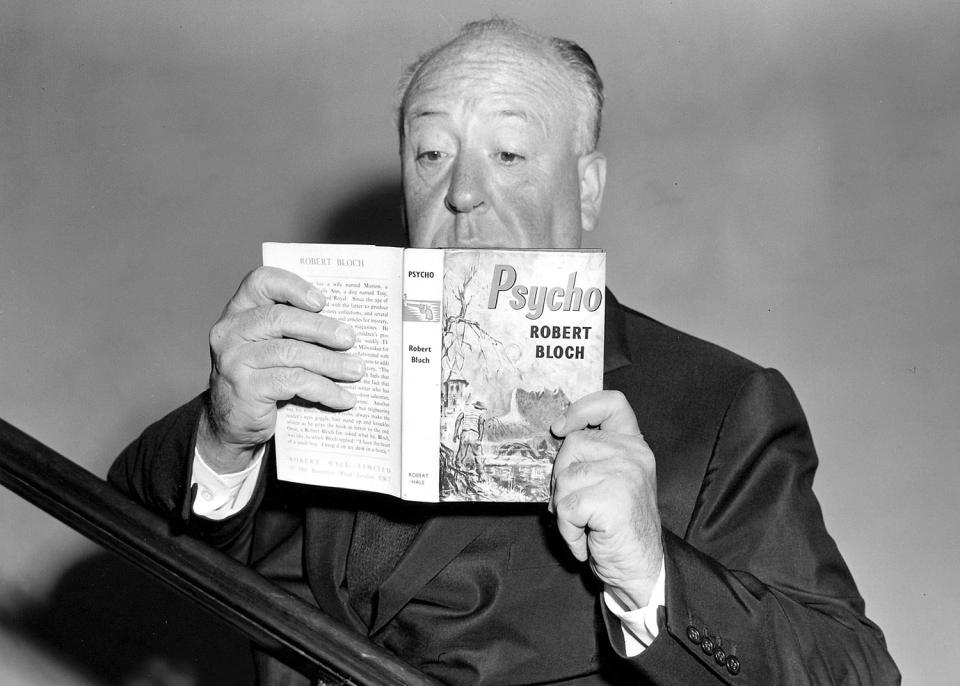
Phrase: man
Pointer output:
(469, 432)
(692, 553)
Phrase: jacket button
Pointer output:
(720, 656)
(733, 665)
(707, 645)
(693, 633)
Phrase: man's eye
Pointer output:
(430, 156)
(506, 157)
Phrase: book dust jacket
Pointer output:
(522, 338)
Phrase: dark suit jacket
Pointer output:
(488, 594)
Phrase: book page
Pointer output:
(358, 448)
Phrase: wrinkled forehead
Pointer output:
(491, 72)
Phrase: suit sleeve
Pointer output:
(756, 590)
(155, 470)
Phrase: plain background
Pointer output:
(783, 180)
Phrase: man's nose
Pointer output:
(467, 191)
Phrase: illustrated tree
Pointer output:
(463, 336)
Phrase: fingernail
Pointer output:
(346, 335)
(315, 299)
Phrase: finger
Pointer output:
(283, 321)
(283, 383)
(594, 446)
(286, 352)
(608, 410)
(269, 285)
(588, 459)
(573, 521)
(575, 536)
(572, 472)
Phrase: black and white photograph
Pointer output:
(762, 490)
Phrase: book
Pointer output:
(470, 355)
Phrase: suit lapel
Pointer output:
(681, 447)
(438, 542)
(616, 351)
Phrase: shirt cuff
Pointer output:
(640, 626)
(222, 495)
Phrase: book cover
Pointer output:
(470, 354)
(522, 338)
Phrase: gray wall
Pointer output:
(783, 181)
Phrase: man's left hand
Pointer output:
(604, 495)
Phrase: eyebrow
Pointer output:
(504, 114)
(526, 117)
(514, 113)
(420, 114)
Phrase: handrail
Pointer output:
(282, 624)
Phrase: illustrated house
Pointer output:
(452, 393)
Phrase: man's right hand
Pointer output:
(270, 344)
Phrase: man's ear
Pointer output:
(592, 168)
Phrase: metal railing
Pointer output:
(282, 624)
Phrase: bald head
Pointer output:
(498, 130)
(563, 69)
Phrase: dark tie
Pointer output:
(379, 541)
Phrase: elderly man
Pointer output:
(692, 553)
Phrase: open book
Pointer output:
(470, 355)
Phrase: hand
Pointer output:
(270, 344)
(604, 495)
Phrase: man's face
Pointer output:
(489, 152)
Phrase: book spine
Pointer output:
(422, 338)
